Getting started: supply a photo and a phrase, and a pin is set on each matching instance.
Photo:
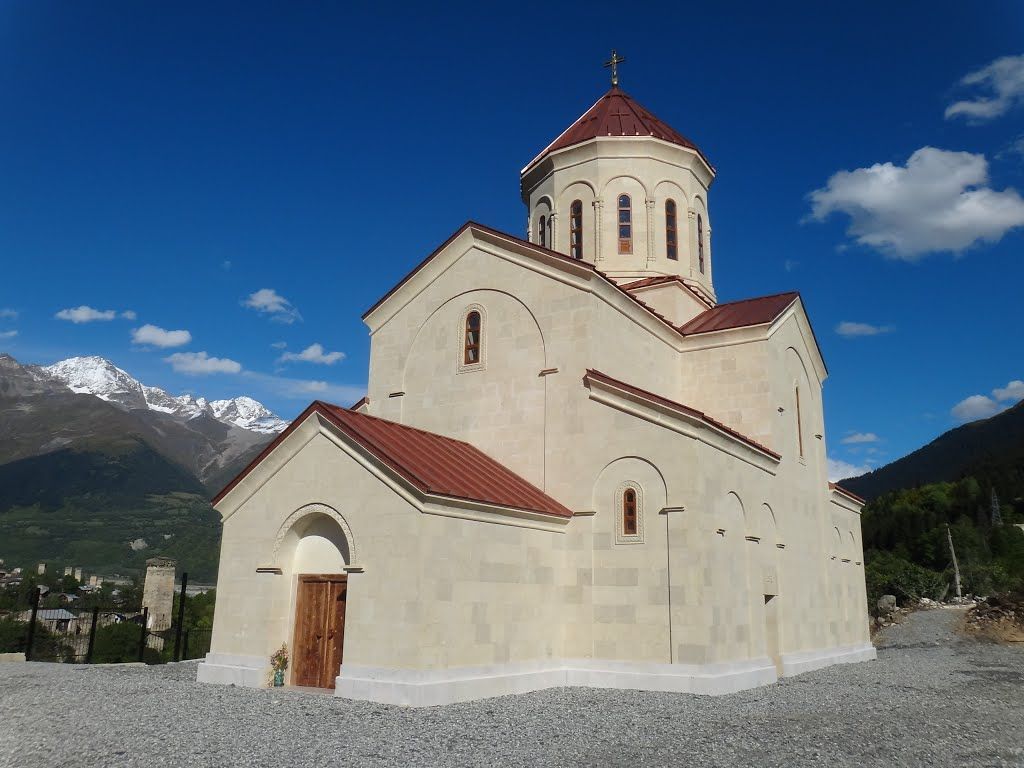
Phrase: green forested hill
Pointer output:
(106, 510)
(955, 480)
(990, 450)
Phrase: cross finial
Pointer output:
(614, 62)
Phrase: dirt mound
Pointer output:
(999, 618)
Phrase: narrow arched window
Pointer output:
(700, 243)
(629, 512)
(551, 232)
(799, 427)
(471, 347)
(576, 229)
(625, 225)
(542, 231)
(671, 232)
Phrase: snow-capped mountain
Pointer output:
(98, 376)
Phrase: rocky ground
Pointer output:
(933, 698)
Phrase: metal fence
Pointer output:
(97, 636)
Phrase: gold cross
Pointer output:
(614, 62)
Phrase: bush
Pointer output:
(13, 636)
(889, 574)
(117, 643)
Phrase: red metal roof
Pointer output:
(603, 377)
(839, 489)
(617, 114)
(739, 314)
(433, 463)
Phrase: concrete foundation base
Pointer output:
(230, 669)
(806, 661)
(412, 688)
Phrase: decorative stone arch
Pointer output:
(574, 182)
(611, 182)
(730, 520)
(544, 206)
(615, 477)
(311, 510)
(767, 525)
(460, 298)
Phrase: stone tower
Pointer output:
(158, 592)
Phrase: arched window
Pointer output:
(799, 426)
(671, 236)
(629, 527)
(550, 238)
(471, 347)
(576, 229)
(542, 231)
(625, 225)
(700, 243)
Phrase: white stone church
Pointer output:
(573, 466)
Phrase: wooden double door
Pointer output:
(319, 629)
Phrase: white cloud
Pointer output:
(1014, 148)
(84, 314)
(8, 314)
(937, 202)
(129, 314)
(225, 265)
(975, 407)
(1001, 86)
(269, 302)
(790, 264)
(850, 329)
(8, 334)
(860, 437)
(158, 337)
(1013, 391)
(279, 345)
(840, 470)
(200, 364)
(305, 389)
(314, 353)
(982, 406)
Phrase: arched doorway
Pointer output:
(316, 543)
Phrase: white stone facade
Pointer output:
(744, 564)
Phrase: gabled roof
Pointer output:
(617, 114)
(651, 282)
(739, 314)
(692, 412)
(434, 464)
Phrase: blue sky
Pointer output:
(163, 163)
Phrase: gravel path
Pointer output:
(932, 699)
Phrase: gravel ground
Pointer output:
(932, 699)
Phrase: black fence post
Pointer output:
(181, 617)
(142, 635)
(32, 625)
(184, 646)
(92, 635)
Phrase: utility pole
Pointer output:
(997, 516)
(956, 567)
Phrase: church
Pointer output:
(573, 465)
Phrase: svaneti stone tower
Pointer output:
(158, 592)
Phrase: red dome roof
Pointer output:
(617, 114)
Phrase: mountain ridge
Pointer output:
(991, 450)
